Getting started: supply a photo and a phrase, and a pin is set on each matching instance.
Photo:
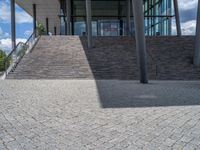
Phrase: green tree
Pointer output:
(2, 58)
(40, 29)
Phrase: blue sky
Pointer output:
(24, 21)
(24, 25)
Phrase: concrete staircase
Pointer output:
(67, 57)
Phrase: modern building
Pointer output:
(109, 17)
(90, 18)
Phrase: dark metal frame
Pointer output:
(34, 18)
(47, 26)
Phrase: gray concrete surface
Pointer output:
(99, 115)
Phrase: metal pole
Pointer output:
(197, 45)
(64, 4)
(55, 31)
(13, 26)
(89, 23)
(72, 17)
(47, 26)
(68, 3)
(128, 26)
(34, 20)
(140, 39)
(178, 25)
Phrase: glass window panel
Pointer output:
(109, 17)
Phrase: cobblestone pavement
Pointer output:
(99, 115)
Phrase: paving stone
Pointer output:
(99, 114)
(178, 146)
(190, 147)
(169, 142)
(186, 139)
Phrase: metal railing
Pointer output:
(15, 56)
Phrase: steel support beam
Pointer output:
(72, 18)
(197, 44)
(13, 24)
(128, 22)
(177, 16)
(140, 39)
(34, 20)
(89, 23)
(47, 26)
(121, 27)
(55, 31)
(68, 6)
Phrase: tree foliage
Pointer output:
(40, 29)
(2, 58)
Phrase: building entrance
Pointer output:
(109, 28)
(110, 17)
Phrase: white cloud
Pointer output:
(5, 44)
(187, 4)
(174, 32)
(21, 16)
(188, 17)
(5, 12)
(189, 27)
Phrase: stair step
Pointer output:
(67, 57)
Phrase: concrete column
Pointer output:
(89, 23)
(13, 24)
(68, 3)
(47, 26)
(34, 20)
(128, 22)
(178, 25)
(197, 45)
(140, 39)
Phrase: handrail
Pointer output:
(148, 52)
(6, 60)
(14, 57)
(13, 51)
(30, 37)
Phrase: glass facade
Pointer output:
(109, 17)
(158, 17)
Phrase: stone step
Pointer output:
(67, 57)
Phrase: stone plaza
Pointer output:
(99, 115)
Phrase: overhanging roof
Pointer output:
(45, 9)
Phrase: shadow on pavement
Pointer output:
(120, 64)
(126, 94)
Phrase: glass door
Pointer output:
(109, 28)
